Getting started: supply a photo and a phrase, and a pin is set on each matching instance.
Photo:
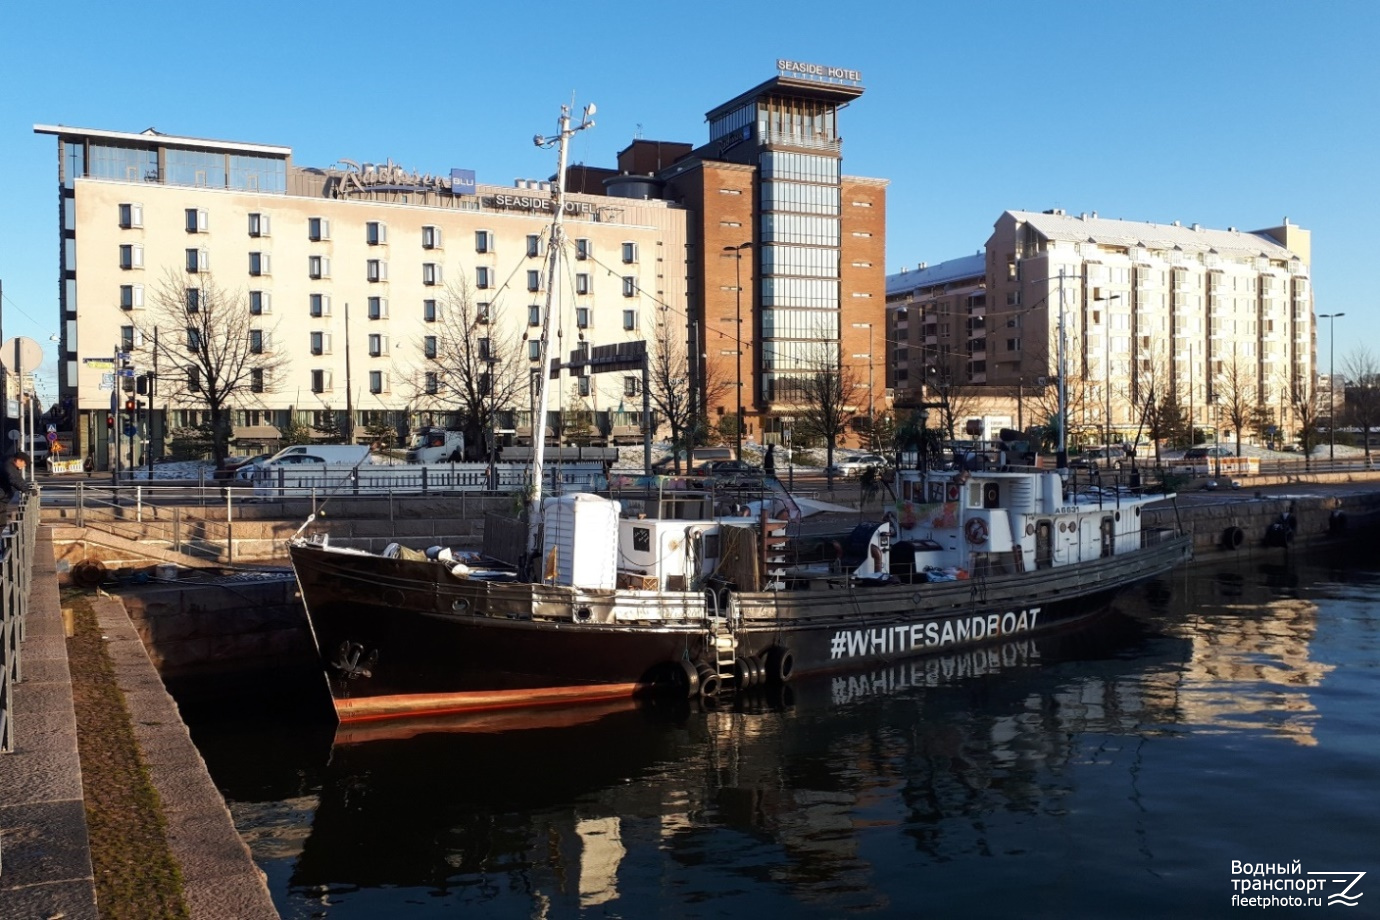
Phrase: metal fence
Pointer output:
(17, 541)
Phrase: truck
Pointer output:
(436, 445)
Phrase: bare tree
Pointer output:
(668, 376)
(824, 394)
(477, 370)
(1362, 370)
(1237, 395)
(212, 348)
(1307, 411)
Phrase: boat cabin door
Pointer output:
(1044, 544)
(1108, 537)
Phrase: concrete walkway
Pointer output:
(45, 858)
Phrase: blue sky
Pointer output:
(1222, 113)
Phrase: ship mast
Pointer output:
(554, 251)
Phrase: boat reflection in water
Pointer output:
(1138, 749)
(783, 780)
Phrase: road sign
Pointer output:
(52, 429)
(131, 431)
(103, 364)
(107, 382)
(126, 372)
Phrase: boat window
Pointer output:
(642, 539)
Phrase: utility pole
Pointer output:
(349, 400)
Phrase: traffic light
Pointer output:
(129, 405)
(110, 420)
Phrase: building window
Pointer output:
(198, 221)
(378, 307)
(376, 270)
(256, 380)
(198, 260)
(320, 381)
(481, 277)
(194, 379)
(629, 286)
(256, 341)
(582, 317)
(629, 253)
(131, 297)
(431, 237)
(375, 233)
(483, 241)
(126, 338)
(581, 249)
(131, 256)
(428, 311)
(482, 312)
(320, 343)
(378, 345)
(431, 273)
(630, 386)
(258, 263)
(534, 315)
(260, 303)
(429, 346)
(318, 229)
(131, 216)
(432, 383)
(582, 283)
(534, 280)
(378, 382)
(629, 319)
(583, 385)
(193, 300)
(485, 349)
(1013, 344)
(258, 224)
(320, 305)
(533, 350)
(318, 267)
(193, 338)
(533, 245)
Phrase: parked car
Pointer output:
(855, 466)
(734, 474)
(1207, 453)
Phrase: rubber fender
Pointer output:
(1233, 537)
(780, 664)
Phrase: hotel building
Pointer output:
(307, 247)
(1146, 309)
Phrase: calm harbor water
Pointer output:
(1222, 714)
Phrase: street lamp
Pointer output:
(870, 404)
(1331, 384)
(1107, 372)
(738, 339)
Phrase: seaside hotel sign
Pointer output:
(820, 72)
(390, 177)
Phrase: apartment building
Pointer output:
(1130, 310)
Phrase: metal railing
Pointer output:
(16, 578)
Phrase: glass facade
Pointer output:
(127, 164)
(798, 259)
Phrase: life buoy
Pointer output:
(976, 531)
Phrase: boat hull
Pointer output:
(403, 638)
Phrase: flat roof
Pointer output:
(792, 86)
(150, 138)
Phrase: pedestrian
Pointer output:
(769, 461)
(12, 475)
